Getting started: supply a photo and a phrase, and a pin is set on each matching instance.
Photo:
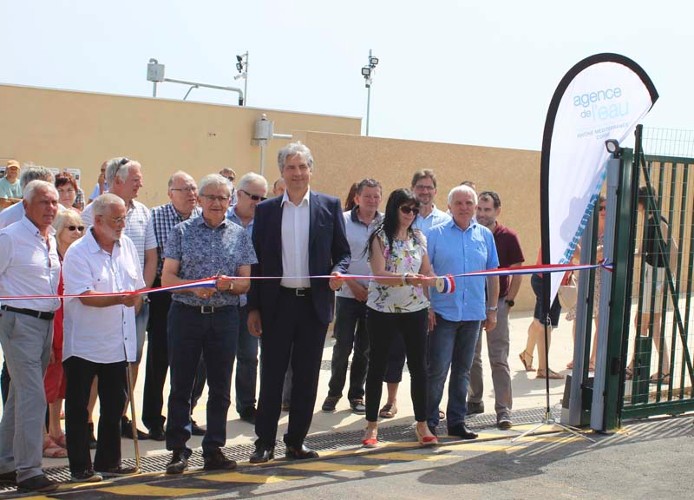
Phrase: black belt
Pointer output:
(206, 309)
(29, 312)
(297, 292)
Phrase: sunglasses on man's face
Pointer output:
(409, 210)
(76, 228)
(253, 197)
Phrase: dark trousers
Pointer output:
(198, 384)
(112, 388)
(350, 333)
(246, 365)
(294, 335)
(191, 334)
(157, 360)
(396, 361)
(383, 328)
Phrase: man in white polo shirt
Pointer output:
(100, 337)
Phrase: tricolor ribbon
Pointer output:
(444, 284)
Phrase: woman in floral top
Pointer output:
(398, 305)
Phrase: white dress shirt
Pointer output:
(29, 265)
(100, 334)
(296, 220)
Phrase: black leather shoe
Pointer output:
(357, 406)
(38, 483)
(248, 415)
(178, 463)
(217, 461)
(329, 404)
(196, 430)
(262, 454)
(157, 433)
(300, 452)
(119, 471)
(475, 408)
(462, 431)
(126, 430)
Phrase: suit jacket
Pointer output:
(328, 251)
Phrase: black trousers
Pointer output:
(383, 328)
(112, 387)
(296, 336)
(157, 360)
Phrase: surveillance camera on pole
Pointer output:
(367, 72)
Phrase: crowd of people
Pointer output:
(279, 271)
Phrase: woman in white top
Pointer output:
(398, 305)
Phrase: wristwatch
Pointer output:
(510, 303)
(494, 308)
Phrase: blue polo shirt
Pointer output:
(455, 251)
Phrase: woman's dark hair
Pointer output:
(349, 201)
(389, 226)
(65, 178)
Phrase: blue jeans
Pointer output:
(349, 332)
(190, 335)
(451, 345)
(246, 365)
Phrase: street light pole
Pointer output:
(367, 72)
(242, 67)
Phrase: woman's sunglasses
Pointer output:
(409, 210)
(76, 228)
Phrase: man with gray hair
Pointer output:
(99, 337)
(459, 246)
(296, 236)
(183, 196)
(124, 178)
(251, 190)
(204, 320)
(29, 265)
(29, 173)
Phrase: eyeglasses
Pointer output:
(213, 198)
(409, 210)
(424, 188)
(189, 189)
(123, 161)
(118, 220)
(75, 228)
(602, 208)
(253, 197)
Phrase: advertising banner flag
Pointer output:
(602, 97)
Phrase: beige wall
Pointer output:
(74, 129)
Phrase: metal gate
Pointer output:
(647, 365)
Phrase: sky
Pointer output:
(462, 72)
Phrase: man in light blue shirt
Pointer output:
(424, 189)
(458, 246)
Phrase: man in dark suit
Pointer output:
(297, 235)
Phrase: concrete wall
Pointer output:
(73, 129)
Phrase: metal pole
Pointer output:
(368, 99)
(154, 90)
(263, 145)
(245, 83)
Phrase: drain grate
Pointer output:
(328, 441)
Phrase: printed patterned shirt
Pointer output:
(203, 251)
(164, 218)
(406, 257)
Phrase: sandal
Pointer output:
(52, 450)
(524, 359)
(550, 374)
(60, 441)
(388, 411)
(370, 438)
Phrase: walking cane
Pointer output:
(133, 421)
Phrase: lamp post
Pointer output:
(242, 67)
(368, 72)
